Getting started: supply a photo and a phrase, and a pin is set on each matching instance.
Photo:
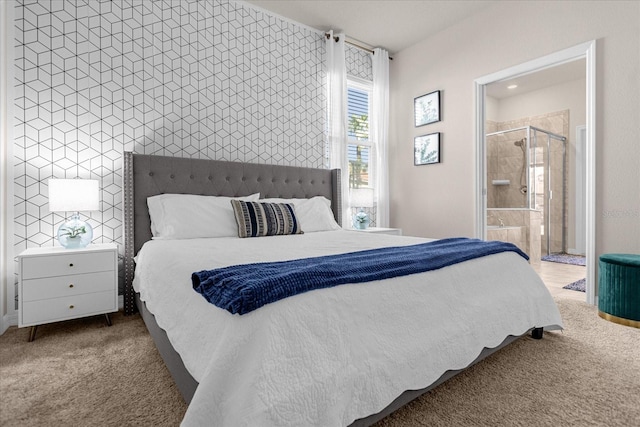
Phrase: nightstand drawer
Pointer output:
(62, 286)
(65, 264)
(43, 311)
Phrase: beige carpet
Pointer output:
(84, 373)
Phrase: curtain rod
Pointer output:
(366, 49)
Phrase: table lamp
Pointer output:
(361, 198)
(74, 195)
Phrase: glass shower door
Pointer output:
(548, 182)
(556, 203)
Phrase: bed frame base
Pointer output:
(183, 379)
(536, 333)
(410, 395)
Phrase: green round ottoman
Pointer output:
(619, 288)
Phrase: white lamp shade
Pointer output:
(361, 197)
(73, 195)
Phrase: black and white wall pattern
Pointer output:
(208, 79)
(358, 63)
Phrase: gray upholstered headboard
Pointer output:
(147, 175)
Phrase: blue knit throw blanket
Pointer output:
(243, 288)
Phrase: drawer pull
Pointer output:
(71, 265)
(71, 307)
(71, 285)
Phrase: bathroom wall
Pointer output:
(522, 228)
(504, 161)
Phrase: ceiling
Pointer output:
(559, 74)
(392, 25)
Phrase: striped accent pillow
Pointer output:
(257, 219)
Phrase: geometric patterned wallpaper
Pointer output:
(209, 79)
(359, 62)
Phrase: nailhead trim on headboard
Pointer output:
(127, 188)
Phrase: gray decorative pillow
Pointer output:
(257, 219)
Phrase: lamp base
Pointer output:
(361, 220)
(75, 233)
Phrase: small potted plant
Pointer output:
(73, 234)
(361, 220)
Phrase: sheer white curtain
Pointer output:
(380, 133)
(337, 116)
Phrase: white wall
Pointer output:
(566, 96)
(438, 200)
(491, 108)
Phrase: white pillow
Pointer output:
(189, 216)
(314, 214)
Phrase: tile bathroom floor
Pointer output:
(556, 275)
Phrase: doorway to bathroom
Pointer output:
(538, 183)
(527, 184)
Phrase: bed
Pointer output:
(331, 356)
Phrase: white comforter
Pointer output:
(331, 356)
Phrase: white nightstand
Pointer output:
(60, 284)
(379, 230)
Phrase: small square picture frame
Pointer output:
(426, 108)
(426, 149)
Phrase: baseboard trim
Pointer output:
(572, 251)
(9, 320)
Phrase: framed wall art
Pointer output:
(426, 149)
(427, 108)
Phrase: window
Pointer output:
(360, 148)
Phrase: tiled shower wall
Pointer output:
(204, 79)
(504, 161)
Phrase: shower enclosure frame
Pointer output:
(531, 194)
